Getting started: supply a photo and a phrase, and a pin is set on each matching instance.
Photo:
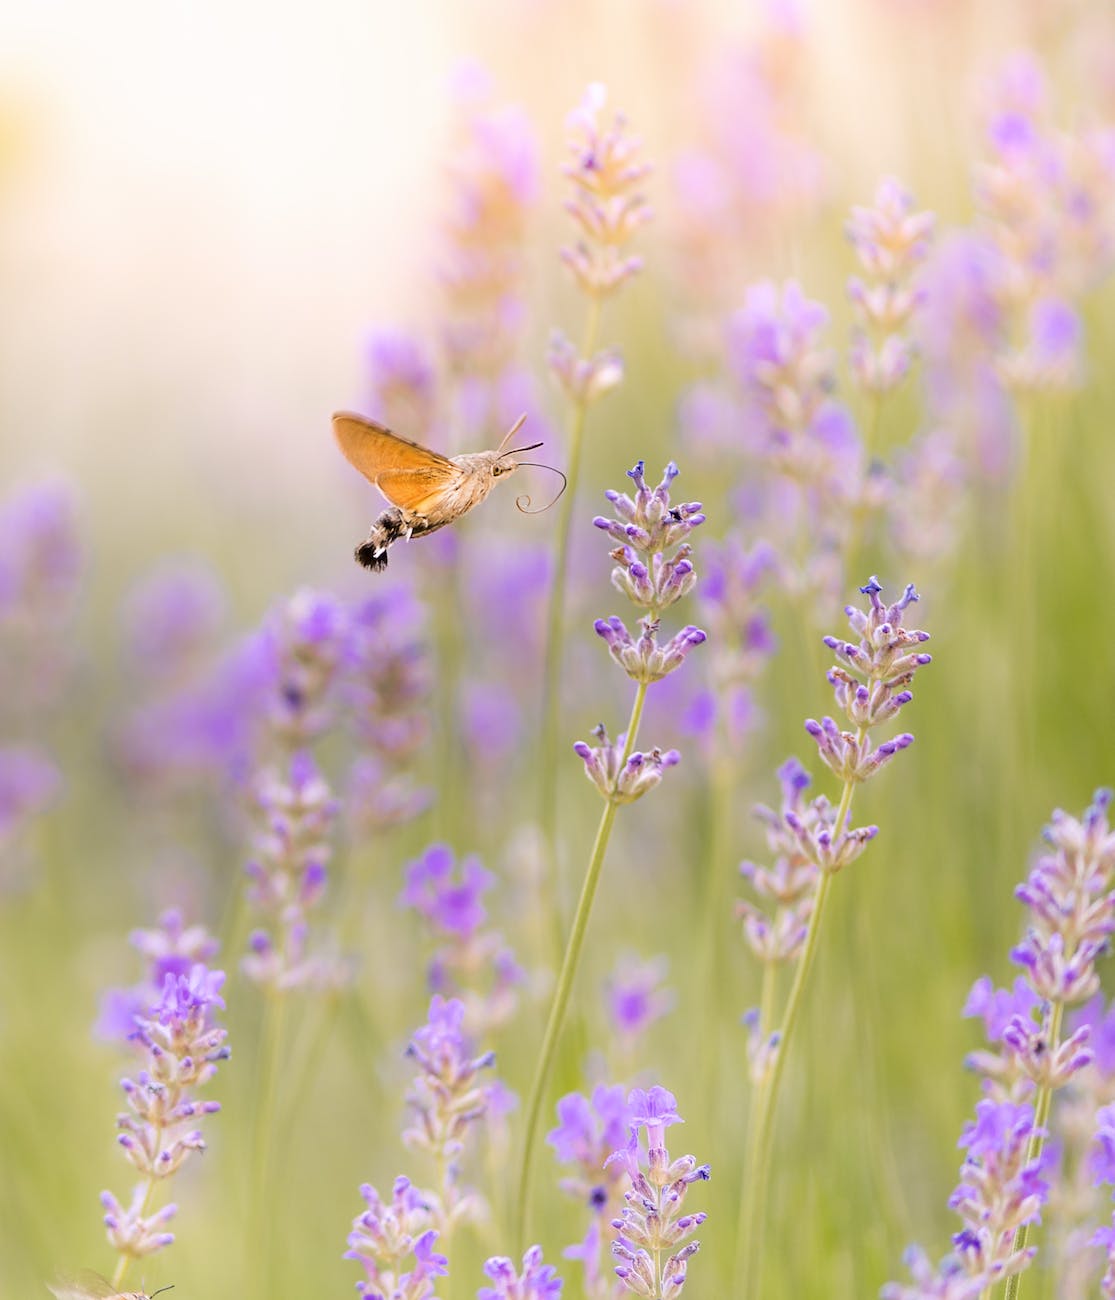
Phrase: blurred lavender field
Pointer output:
(811, 304)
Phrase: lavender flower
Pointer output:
(446, 1099)
(395, 1245)
(171, 947)
(494, 179)
(1001, 1188)
(1072, 910)
(588, 1131)
(623, 777)
(652, 1220)
(385, 684)
(41, 565)
(29, 784)
(471, 962)
(648, 527)
(537, 1281)
(635, 997)
(1046, 200)
(1072, 905)
(309, 632)
(401, 382)
(288, 872)
(181, 1047)
(890, 240)
(172, 618)
(882, 666)
(606, 206)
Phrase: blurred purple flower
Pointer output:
(182, 1047)
(172, 618)
(29, 784)
(635, 996)
(538, 1281)
(401, 383)
(449, 899)
(607, 206)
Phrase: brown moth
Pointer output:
(88, 1285)
(425, 490)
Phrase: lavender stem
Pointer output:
(760, 1140)
(568, 972)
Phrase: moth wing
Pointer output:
(372, 448)
(86, 1285)
(417, 491)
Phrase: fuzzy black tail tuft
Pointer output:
(372, 556)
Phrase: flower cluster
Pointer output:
(537, 1281)
(394, 1243)
(308, 634)
(181, 1047)
(494, 184)
(870, 685)
(401, 383)
(287, 872)
(653, 569)
(1102, 1169)
(171, 947)
(743, 642)
(785, 372)
(446, 1099)
(41, 564)
(890, 240)
(635, 997)
(588, 1131)
(1047, 200)
(384, 688)
(29, 784)
(1072, 911)
(606, 206)
(471, 961)
(171, 621)
(653, 1219)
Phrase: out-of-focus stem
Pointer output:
(262, 1203)
(753, 1203)
(555, 623)
(1037, 1137)
(566, 977)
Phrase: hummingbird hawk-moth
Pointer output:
(424, 489)
(88, 1285)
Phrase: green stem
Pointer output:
(262, 1203)
(555, 619)
(1037, 1137)
(753, 1211)
(565, 978)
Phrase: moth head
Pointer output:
(504, 462)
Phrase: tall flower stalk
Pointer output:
(653, 569)
(181, 1048)
(1005, 1178)
(606, 174)
(870, 684)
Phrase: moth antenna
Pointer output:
(512, 432)
(522, 503)
(161, 1289)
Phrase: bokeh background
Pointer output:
(209, 214)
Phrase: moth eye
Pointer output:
(496, 471)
